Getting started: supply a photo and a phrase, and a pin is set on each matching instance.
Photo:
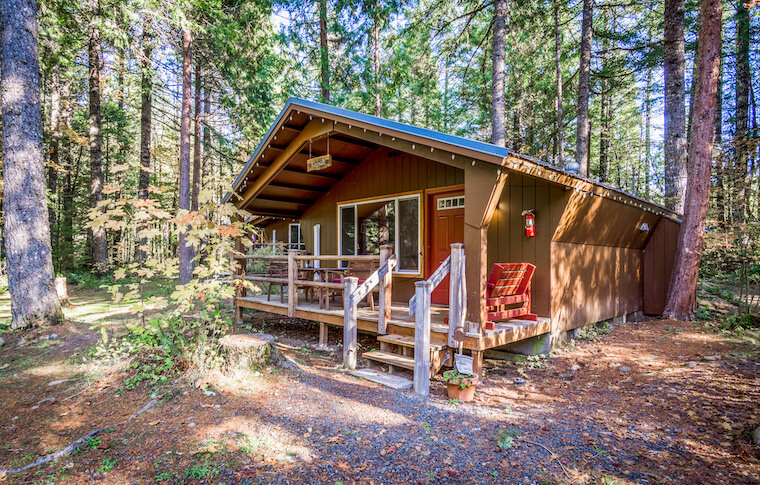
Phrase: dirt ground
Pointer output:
(653, 402)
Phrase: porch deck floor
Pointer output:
(399, 311)
(504, 332)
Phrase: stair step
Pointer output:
(405, 341)
(392, 381)
(395, 360)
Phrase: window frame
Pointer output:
(397, 234)
(298, 244)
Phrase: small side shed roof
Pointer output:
(360, 133)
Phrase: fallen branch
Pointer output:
(89, 384)
(76, 444)
(550, 453)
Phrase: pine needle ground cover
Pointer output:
(655, 402)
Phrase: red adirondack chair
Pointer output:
(508, 292)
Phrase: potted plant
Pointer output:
(460, 386)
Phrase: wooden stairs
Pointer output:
(397, 352)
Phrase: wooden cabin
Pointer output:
(335, 184)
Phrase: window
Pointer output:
(450, 202)
(365, 226)
(295, 238)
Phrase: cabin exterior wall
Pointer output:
(593, 260)
(659, 258)
(597, 267)
(382, 173)
(507, 241)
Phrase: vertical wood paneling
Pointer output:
(378, 175)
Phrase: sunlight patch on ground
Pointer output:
(50, 370)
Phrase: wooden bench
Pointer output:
(508, 292)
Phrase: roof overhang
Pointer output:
(275, 182)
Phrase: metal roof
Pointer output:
(457, 143)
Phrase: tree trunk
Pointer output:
(739, 208)
(66, 219)
(376, 59)
(675, 111)
(197, 139)
(648, 134)
(560, 140)
(683, 284)
(98, 243)
(27, 233)
(498, 100)
(584, 73)
(206, 151)
(55, 158)
(604, 131)
(123, 148)
(720, 191)
(146, 113)
(324, 58)
(185, 251)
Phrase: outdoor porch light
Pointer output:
(644, 227)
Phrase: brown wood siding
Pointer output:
(282, 228)
(593, 283)
(603, 222)
(659, 258)
(383, 172)
(507, 242)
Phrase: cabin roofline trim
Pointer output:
(456, 145)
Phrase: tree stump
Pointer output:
(247, 352)
(62, 290)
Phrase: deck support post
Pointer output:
(457, 292)
(384, 316)
(349, 323)
(240, 290)
(292, 289)
(323, 336)
(477, 363)
(422, 337)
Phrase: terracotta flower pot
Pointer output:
(461, 388)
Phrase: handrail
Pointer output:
(372, 281)
(419, 306)
(435, 279)
(353, 293)
(309, 257)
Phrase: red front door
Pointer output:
(445, 226)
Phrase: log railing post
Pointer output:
(317, 245)
(385, 292)
(349, 323)
(456, 280)
(292, 289)
(422, 337)
(240, 291)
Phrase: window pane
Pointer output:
(409, 234)
(294, 233)
(347, 231)
(377, 226)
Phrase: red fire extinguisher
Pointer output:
(530, 223)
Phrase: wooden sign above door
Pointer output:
(319, 163)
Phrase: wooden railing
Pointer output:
(292, 280)
(353, 293)
(419, 306)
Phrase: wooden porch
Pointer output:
(416, 336)
(401, 322)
